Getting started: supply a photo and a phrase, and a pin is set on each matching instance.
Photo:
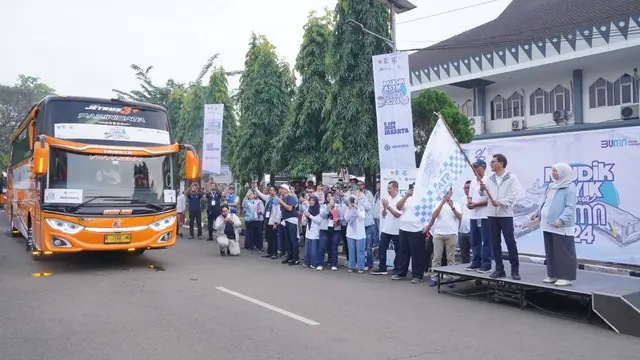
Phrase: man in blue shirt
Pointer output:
(288, 204)
(195, 209)
(232, 200)
(214, 203)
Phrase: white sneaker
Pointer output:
(333, 268)
(319, 268)
(563, 283)
(312, 267)
(550, 280)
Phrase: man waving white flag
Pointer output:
(442, 164)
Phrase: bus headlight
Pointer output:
(65, 226)
(163, 223)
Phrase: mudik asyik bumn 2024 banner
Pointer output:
(606, 166)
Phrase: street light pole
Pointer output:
(392, 18)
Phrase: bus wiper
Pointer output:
(149, 204)
(137, 201)
(91, 198)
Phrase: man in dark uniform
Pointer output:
(214, 209)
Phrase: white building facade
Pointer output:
(528, 70)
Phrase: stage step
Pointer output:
(622, 313)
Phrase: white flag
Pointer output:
(442, 164)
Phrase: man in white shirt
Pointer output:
(481, 245)
(444, 225)
(504, 188)
(389, 227)
(464, 236)
(181, 206)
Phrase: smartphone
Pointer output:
(352, 201)
(411, 186)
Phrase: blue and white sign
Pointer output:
(393, 111)
(605, 166)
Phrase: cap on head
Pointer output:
(284, 186)
(480, 162)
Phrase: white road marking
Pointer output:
(270, 307)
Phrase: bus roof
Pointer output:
(50, 98)
(103, 101)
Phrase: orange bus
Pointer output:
(89, 174)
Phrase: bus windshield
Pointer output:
(87, 176)
(107, 123)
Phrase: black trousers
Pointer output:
(293, 249)
(411, 246)
(253, 238)
(503, 226)
(429, 253)
(197, 217)
(464, 239)
(343, 236)
(385, 239)
(271, 235)
(212, 215)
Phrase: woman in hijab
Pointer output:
(312, 237)
(557, 220)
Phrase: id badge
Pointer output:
(213, 203)
(268, 214)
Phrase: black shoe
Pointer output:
(515, 276)
(498, 274)
(180, 236)
(379, 272)
(210, 239)
(266, 256)
(274, 257)
(294, 263)
(286, 261)
(222, 253)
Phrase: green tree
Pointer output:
(168, 95)
(424, 106)
(15, 102)
(264, 98)
(351, 130)
(299, 144)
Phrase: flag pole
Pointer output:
(462, 150)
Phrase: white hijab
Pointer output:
(565, 176)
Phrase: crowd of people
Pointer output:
(351, 219)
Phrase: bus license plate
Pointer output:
(117, 239)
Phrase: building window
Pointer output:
(516, 106)
(623, 91)
(560, 99)
(467, 108)
(539, 102)
(598, 93)
(498, 108)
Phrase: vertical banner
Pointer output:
(393, 111)
(212, 139)
(605, 164)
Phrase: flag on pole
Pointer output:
(442, 164)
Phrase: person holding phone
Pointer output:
(411, 240)
(356, 235)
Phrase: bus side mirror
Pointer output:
(41, 158)
(192, 163)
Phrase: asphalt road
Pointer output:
(108, 307)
